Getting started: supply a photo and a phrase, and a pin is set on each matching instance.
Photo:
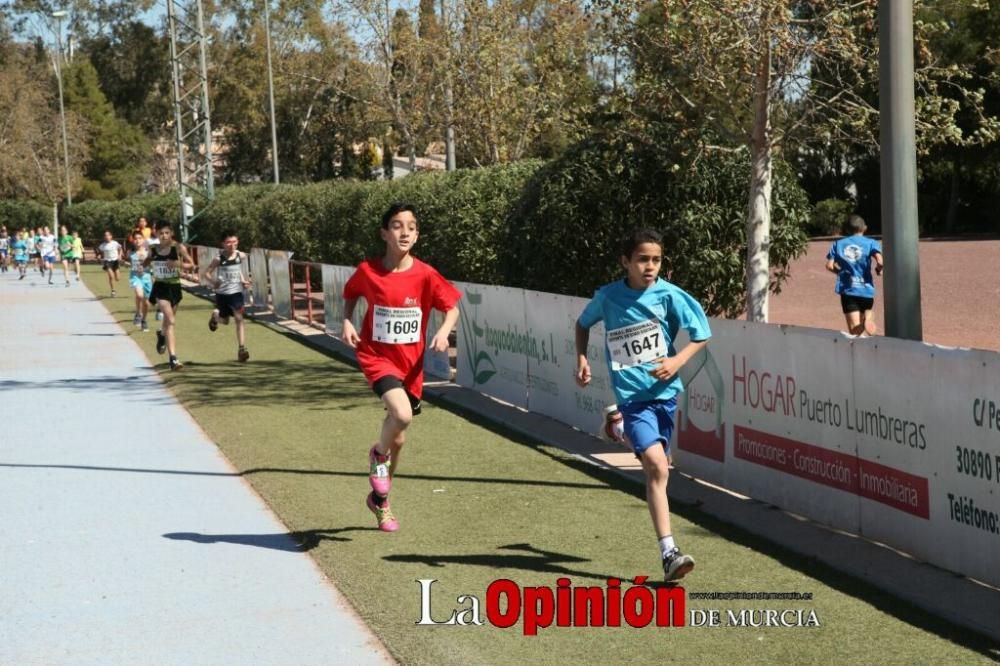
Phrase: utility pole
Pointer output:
(449, 132)
(899, 170)
(58, 16)
(270, 91)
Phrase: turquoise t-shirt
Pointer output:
(641, 326)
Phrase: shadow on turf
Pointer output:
(326, 386)
(535, 559)
(310, 472)
(291, 542)
(809, 566)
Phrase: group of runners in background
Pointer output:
(39, 249)
(154, 262)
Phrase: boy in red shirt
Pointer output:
(400, 291)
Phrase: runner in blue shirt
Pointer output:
(5, 241)
(20, 250)
(851, 259)
(642, 315)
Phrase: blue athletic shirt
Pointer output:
(854, 256)
(642, 325)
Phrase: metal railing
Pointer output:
(306, 278)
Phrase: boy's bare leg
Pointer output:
(168, 325)
(854, 323)
(241, 334)
(398, 417)
(868, 323)
(657, 470)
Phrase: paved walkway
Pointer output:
(104, 481)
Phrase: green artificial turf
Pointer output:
(477, 505)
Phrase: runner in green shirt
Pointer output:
(65, 250)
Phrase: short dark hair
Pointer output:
(164, 224)
(226, 234)
(855, 224)
(395, 209)
(637, 237)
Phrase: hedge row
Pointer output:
(17, 215)
(553, 227)
(462, 217)
(565, 236)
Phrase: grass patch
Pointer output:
(477, 505)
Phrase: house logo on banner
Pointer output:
(509, 340)
(702, 430)
(480, 361)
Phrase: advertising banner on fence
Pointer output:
(258, 274)
(789, 441)
(491, 342)
(699, 444)
(930, 415)
(281, 288)
(550, 350)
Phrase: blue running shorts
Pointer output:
(649, 423)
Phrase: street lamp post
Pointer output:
(899, 170)
(270, 90)
(58, 16)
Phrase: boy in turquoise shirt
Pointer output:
(642, 315)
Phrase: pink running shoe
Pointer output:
(378, 472)
(386, 521)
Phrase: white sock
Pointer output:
(666, 545)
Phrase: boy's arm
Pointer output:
(671, 365)
(350, 334)
(212, 265)
(245, 272)
(440, 341)
(831, 259)
(879, 263)
(583, 374)
(186, 261)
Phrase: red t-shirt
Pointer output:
(394, 332)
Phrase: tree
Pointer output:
(31, 156)
(521, 78)
(322, 104)
(133, 71)
(750, 74)
(118, 151)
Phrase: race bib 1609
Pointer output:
(396, 326)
